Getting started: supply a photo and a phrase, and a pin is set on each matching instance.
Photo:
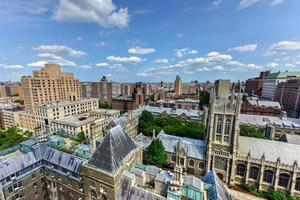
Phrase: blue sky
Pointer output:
(150, 40)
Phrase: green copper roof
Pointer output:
(283, 75)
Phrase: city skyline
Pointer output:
(201, 41)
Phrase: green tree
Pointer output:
(251, 132)
(155, 154)
(81, 137)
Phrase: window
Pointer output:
(253, 174)
(181, 160)
(284, 180)
(201, 165)
(268, 176)
(93, 194)
(10, 190)
(297, 185)
(173, 158)
(219, 126)
(227, 126)
(191, 163)
(240, 169)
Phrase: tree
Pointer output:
(81, 137)
(155, 154)
(251, 132)
(146, 120)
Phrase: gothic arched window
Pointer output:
(253, 174)
(268, 176)
(93, 194)
(240, 169)
(219, 126)
(284, 180)
(191, 163)
(227, 126)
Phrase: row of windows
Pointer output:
(268, 176)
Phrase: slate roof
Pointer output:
(193, 114)
(16, 164)
(194, 148)
(217, 191)
(261, 120)
(287, 152)
(262, 103)
(111, 153)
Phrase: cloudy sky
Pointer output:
(150, 40)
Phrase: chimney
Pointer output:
(283, 115)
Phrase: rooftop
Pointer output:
(64, 103)
(194, 148)
(271, 149)
(283, 75)
(262, 103)
(75, 120)
(112, 152)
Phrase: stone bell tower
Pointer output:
(223, 130)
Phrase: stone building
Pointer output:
(261, 107)
(254, 86)
(244, 160)
(178, 86)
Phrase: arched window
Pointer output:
(240, 169)
(201, 165)
(284, 180)
(219, 126)
(297, 185)
(93, 194)
(268, 176)
(191, 163)
(253, 174)
(227, 126)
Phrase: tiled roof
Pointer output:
(194, 148)
(111, 153)
(271, 149)
(261, 120)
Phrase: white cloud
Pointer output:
(140, 50)
(79, 38)
(216, 2)
(161, 61)
(185, 51)
(85, 67)
(282, 47)
(37, 64)
(49, 56)
(276, 2)
(244, 48)
(4, 66)
(61, 50)
(131, 59)
(272, 65)
(161, 71)
(102, 12)
(203, 69)
(118, 68)
(246, 3)
(100, 44)
(218, 68)
(290, 65)
(102, 65)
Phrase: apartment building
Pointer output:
(48, 85)
(56, 110)
(273, 79)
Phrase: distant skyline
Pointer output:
(130, 41)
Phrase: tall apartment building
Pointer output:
(255, 85)
(273, 79)
(177, 86)
(288, 94)
(47, 85)
(102, 90)
(222, 88)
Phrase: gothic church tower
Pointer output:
(222, 135)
